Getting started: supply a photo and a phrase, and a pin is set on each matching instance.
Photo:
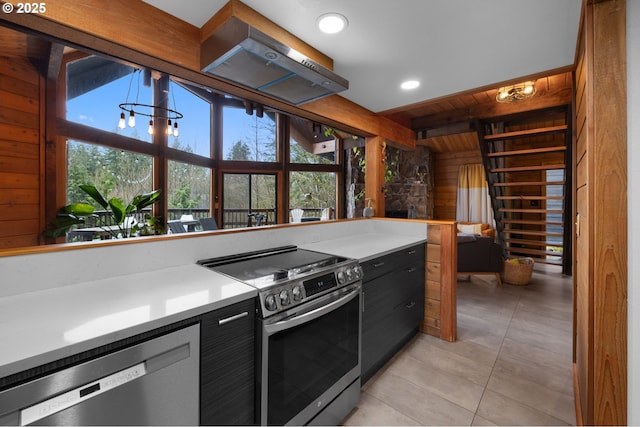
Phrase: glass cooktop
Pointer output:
(263, 268)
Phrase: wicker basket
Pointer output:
(518, 274)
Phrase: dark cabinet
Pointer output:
(393, 295)
(227, 365)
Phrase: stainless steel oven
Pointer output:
(310, 333)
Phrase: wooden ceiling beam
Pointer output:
(54, 63)
(543, 99)
(450, 129)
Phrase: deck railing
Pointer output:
(231, 218)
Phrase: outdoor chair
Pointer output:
(208, 224)
(176, 227)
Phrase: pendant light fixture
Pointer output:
(154, 112)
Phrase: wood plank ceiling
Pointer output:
(448, 124)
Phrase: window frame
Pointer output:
(162, 153)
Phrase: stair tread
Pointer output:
(528, 168)
(524, 183)
(531, 232)
(514, 210)
(534, 242)
(529, 151)
(528, 132)
(534, 251)
(530, 222)
(530, 197)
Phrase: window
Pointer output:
(116, 173)
(554, 216)
(194, 131)
(311, 143)
(95, 88)
(247, 197)
(248, 136)
(189, 190)
(246, 158)
(312, 192)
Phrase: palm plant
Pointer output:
(115, 226)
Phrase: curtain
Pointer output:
(473, 203)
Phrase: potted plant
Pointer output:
(118, 212)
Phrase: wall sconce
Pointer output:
(516, 92)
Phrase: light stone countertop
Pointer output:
(364, 247)
(44, 326)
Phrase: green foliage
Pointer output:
(391, 163)
(359, 157)
(239, 151)
(78, 213)
(122, 174)
(299, 155)
(312, 190)
(182, 198)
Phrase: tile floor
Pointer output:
(511, 364)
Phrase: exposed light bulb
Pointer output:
(150, 127)
(528, 89)
(132, 119)
(175, 129)
(121, 124)
(169, 130)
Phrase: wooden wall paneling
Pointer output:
(440, 318)
(20, 153)
(448, 281)
(610, 223)
(431, 323)
(446, 180)
(600, 282)
(136, 24)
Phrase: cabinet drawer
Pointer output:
(409, 313)
(403, 283)
(387, 263)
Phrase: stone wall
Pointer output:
(413, 184)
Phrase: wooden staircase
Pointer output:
(525, 158)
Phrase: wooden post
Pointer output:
(374, 176)
(440, 305)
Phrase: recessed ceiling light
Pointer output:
(410, 84)
(332, 23)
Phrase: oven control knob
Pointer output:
(358, 272)
(350, 274)
(270, 302)
(284, 298)
(297, 293)
(341, 277)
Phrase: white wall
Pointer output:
(633, 195)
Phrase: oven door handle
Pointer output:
(298, 319)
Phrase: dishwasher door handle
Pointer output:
(110, 382)
(73, 397)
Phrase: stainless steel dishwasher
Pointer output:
(155, 382)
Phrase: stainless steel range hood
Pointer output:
(240, 53)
